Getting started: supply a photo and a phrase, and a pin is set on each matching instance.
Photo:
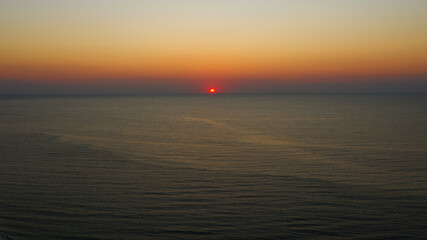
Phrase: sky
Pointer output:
(189, 46)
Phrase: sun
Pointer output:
(212, 90)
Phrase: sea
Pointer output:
(292, 166)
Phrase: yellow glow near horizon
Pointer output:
(86, 40)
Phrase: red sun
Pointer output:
(212, 90)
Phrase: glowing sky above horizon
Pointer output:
(198, 44)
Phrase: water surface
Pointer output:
(214, 167)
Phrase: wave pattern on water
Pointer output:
(270, 167)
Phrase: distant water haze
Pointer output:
(214, 167)
(375, 84)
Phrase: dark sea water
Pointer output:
(214, 167)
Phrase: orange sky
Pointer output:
(199, 42)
